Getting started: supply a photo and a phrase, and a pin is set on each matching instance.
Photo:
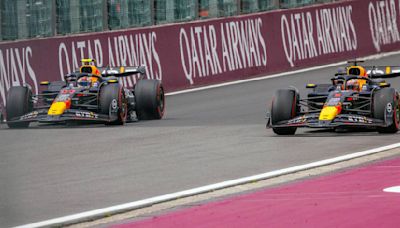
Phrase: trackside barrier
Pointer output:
(212, 51)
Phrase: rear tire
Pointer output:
(150, 100)
(381, 98)
(284, 107)
(19, 103)
(113, 93)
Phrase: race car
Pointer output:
(357, 97)
(92, 94)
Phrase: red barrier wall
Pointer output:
(213, 51)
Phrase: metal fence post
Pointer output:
(213, 10)
(105, 15)
(239, 7)
(21, 18)
(1, 28)
(170, 11)
(196, 10)
(152, 13)
(74, 16)
(277, 3)
(53, 18)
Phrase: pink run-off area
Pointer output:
(352, 198)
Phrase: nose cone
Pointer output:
(329, 113)
(57, 108)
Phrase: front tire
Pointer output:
(112, 97)
(150, 100)
(381, 99)
(19, 103)
(284, 107)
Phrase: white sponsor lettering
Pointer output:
(389, 107)
(87, 115)
(238, 45)
(335, 33)
(29, 115)
(300, 119)
(16, 70)
(70, 55)
(359, 119)
(123, 50)
(114, 104)
(383, 23)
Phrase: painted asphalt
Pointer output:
(367, 196)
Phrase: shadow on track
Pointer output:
(336, 133)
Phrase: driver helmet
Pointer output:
(84, 82)
(353, 85)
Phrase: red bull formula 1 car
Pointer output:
(358, 97)
(92, 95)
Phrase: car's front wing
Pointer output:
(342, 120)
(68, 116)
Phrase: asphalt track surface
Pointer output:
(207, 137)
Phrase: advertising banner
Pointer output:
(193, 54)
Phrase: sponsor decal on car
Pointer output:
(63, 97)
(389, 107)
(359, 119)
(29, 115)
(114, 105)
(87, 115)
(333, 101)
(297, 120)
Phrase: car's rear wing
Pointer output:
(122, 71)
(89, 67)
(109, 72)
(377, 71)
(383, 71)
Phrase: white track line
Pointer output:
(90, 215)
(377, 56)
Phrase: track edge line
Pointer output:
(100, 213)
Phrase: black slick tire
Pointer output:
(381, 99)
(284, 107)
(150, 100)
(113, 93)
(19, 103)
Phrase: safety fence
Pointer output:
(24, 19)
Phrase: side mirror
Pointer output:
(43, 83)
(141, 69)
(311, 86)
(112, 80)
(384, 84)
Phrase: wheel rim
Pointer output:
(396, 116)
(124, 107)
(160, 101)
